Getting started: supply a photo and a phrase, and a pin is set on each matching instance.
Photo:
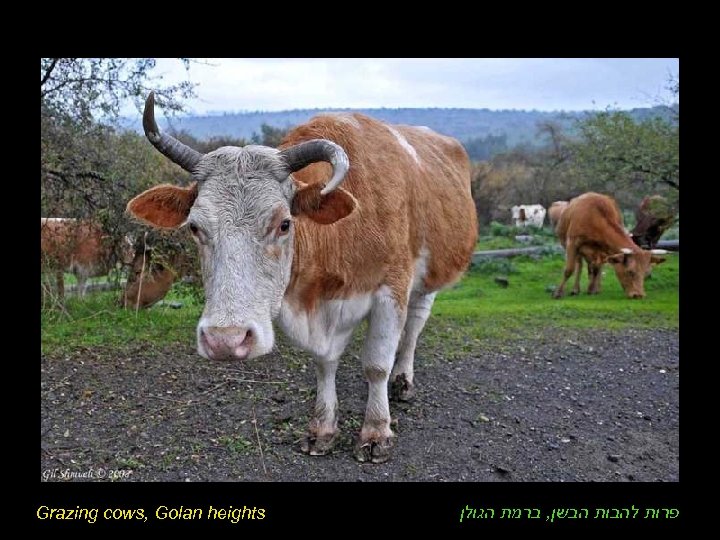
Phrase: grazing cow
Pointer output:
(591, 228)
(278, 240)
(152, 274)
(77, 246)
(528, 214)
(148, 281)
(555, 211)
(653, 217)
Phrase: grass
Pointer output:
(480, 308)
(96, 320)
(476, 308)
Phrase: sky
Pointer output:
(547, 84)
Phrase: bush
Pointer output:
(498, 229)
(494, 266)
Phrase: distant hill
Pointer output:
(513, 126)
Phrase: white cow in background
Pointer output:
(528, 214)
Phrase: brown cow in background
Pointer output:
(653, 217)
(591, 228)
(77, 246)
(555, 211)
(151, 276)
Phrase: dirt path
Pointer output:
(566, 406)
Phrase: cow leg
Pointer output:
(578, 272)
(401, 378)
(571, 260)
(387, 319)
(323, 427)
(594, 275)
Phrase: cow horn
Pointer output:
(659, 251)
(169, 146)
(303, 154)
(626, 251)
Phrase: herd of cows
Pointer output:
(394, 224)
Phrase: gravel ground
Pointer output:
(579, 405)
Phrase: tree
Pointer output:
(271, 136)
(91, 89)
(622, 155)
(89, 168)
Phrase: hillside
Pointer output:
(513, 126)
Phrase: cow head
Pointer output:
(633, 266)
(148, 281)
(240, 211)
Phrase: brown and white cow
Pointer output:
(555, 211)
(652, 218)
(279, 241)
(77, 246)
(591, 228)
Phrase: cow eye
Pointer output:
(284, 226)
(193, 228)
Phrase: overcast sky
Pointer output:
(231, 84)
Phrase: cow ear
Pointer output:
(323, 209)
(164, 206)
(618, 258)
(654, 259)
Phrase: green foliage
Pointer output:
(619, 153)
(499, 229)
(270, 136)
(484, 148)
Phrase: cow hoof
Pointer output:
(574, 293)
(401, 389)
(317, 446)
(557, 295)
(374, 451)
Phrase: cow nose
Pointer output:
(227, 342)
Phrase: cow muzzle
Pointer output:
(226, 342)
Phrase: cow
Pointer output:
(77, 246)
(555, 211)
(528, 214)
(148, 280)
(279, 241)
(591, 228)
(152, 273)
(652, 218)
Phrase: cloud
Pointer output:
(493, 83)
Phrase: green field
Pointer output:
(476, 308)
(481, 308)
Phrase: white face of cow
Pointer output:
(243, 228)
(240, 212)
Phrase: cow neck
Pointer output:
(619, 240)
(299, 263)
